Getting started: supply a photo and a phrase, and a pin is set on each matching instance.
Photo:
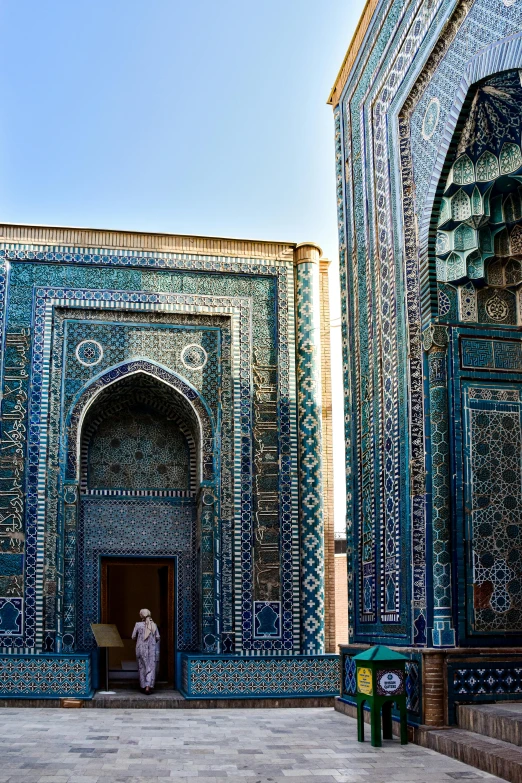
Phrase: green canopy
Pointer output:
(380, 653)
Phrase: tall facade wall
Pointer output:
(185, 348)
(420, 326)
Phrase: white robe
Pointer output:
(147, 654)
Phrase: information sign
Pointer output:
(389, 682)
(364, 680)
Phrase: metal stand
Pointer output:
(106, 635)
(107, 692)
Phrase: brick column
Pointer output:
(309, 406)
(433, 688)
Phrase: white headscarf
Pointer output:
(150, 626)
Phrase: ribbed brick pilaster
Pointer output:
(434, 689)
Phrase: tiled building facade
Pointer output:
(428, 123)
(161, 398)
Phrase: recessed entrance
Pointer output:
(128, 585)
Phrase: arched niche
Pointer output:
(137, 436)
(182, 398)
(133, 518)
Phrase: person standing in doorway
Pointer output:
(147, 650)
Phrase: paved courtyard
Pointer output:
(263, 746)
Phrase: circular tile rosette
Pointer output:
(194, 357)
(89, 353)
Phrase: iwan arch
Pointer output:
(162, 436)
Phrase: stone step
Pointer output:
(500, 721)
(172, 701)
(499, 758)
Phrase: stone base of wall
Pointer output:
(175, 704)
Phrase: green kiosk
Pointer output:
(381, 682)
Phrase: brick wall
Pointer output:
(341, 599)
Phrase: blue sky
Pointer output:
(196, 117)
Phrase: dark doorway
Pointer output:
(128, 585)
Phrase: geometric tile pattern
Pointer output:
(394, 124)
(435, 342)
(494, 432)
(300, 675)
(122, 340)
(350, 683)
(108, 527)
(31, 676)
(475, 682)
(310, 462)
(137, 449)
(84, 322)
(502, 356)
(413, 686)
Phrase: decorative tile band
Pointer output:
(45, 676)
(220, 677)
(473, 681)
(310, 462)
(501, 355)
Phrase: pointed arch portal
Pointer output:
(139, 449)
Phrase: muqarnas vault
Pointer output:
(428, 122)
(162, 408)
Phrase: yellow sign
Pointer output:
(364, 681)
(106, 635)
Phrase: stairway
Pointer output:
(488, 737)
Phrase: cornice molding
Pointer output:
(353, 50)
(63, 236)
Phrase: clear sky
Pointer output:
(185, 117)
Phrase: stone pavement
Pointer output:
(261, 746)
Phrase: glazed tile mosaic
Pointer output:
(150, 409)
(49, 675)
(296, 676)
(428, 135)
